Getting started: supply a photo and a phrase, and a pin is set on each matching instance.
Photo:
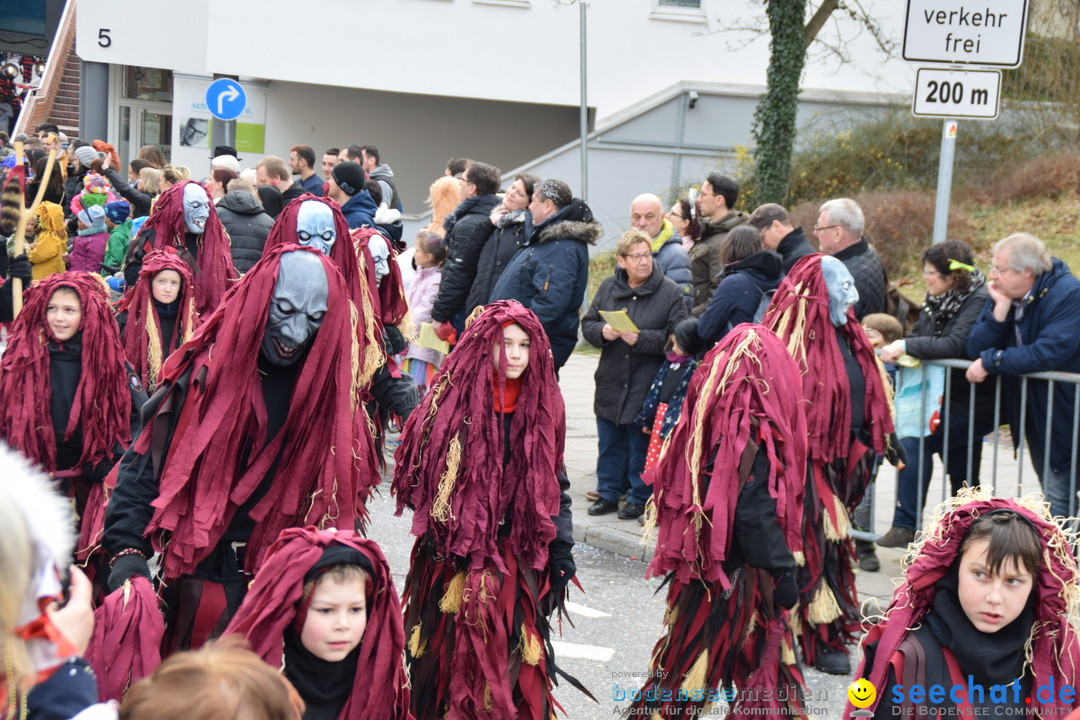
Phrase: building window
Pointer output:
(691, 11)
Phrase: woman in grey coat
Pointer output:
(628, 363)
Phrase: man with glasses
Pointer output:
(719, 193)
(467, 230)
(839, 231)
(1031, 323)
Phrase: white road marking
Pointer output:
(584, 652)
(586, 611)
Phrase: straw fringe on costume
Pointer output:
(1052, 652)
(840, 466)
(478, 642)
(722, 628)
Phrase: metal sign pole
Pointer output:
(944, 179)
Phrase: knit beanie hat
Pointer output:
(118, 211)
(86, 155)
(349, 176)
(92, 216)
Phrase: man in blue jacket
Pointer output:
(1031, 323)
(347, 189)
(550, 274)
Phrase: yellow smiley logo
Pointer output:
(861, 693)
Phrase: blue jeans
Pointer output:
(620, 460)
(908, 507)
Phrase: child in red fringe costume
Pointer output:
(727, 499)
(68, 399)
(324, 608)
(255, 428)
(184, 218)
(480, 465)
(989, 600)
(848, 417)
(158, 315)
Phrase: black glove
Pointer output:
(393, 340)
(895, 452)
(20, 268)
(562, 565)
(127, 566)
(786, 592)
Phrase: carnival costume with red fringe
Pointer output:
(727, 499)
(101, 410)
(274, 608)
(206, 451)
(480, 465)
(142, 336)
(840, 458)
(359, 280)
(212, 260)
(1052, 652)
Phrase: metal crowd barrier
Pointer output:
(957, 365)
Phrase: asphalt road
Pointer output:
(616, 623)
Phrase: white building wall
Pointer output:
(510, 50)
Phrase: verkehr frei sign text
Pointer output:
(990, 32)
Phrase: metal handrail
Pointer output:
(54, 69)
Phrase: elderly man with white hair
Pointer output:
(839, 231)
(647, 215)
(1031, 323)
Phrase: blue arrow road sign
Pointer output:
(226, 99)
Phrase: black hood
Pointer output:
(241, 202)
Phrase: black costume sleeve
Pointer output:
(564, 521)
(137, 250)
(129, 510)
(757, 530)
(398, 396)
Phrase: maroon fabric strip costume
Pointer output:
(478, 644)
(1055, 646)
(485, 490)
(143, 316)
(126, 644)
(722, 627)
(327, 463)
(215, 272)
(381, 690)
(840, 466)
(102, 402)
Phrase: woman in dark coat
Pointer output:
(246, 222)
(751, 274)
(508, 237)
(956, 294)
(628, 363)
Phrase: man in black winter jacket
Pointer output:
(777, 233)
(467, 229)
(550, 274)
(839, 232)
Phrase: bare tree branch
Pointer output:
(817, 21)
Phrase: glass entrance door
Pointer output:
(145, 100)
(141, 125)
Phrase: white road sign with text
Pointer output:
(957, 93)
(966, 32)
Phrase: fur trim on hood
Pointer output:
(586, 232)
